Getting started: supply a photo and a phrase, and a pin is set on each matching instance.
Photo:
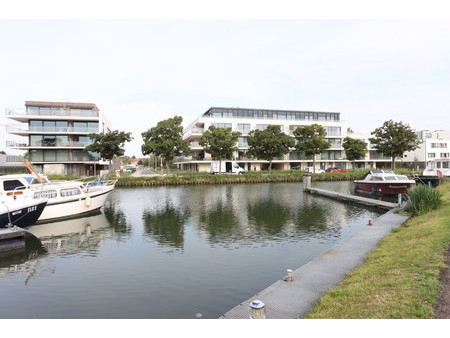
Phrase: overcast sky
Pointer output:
(139, 72)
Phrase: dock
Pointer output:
(295, 294)
(353, 198)
(12, 238)
(294, 297)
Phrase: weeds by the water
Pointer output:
(421, 198)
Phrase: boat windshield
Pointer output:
(390, 178)
(402, 177)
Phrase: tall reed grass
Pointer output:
(421, 198)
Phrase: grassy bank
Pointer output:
(400, 279)
(185, 178)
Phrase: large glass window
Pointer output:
(35, 125)
(222, 125)
(93, 127)
(62, 140)
(49, 140)
(35, 140)
(62, 126)
(243, 128)
(242, 142)
(62, 155)
(36, 155)
(49, 155)
(49, 126)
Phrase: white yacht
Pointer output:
(439, 168)
(66, 199)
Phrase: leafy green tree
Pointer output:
(269, 143)
(166, 140)
(109, 145)
(355, 149)
(311, 140)
(220, 142)
(393, 139)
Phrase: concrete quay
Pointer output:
(290, 300)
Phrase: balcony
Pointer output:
(62, 130)
(52, 112)
(24, 145)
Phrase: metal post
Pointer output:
(257, 310)
(306, 182)
(399, 199)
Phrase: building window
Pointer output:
(222, 125)
(438, 145)
(444, 155)
(431, 155)
(242, 142)
(333, 131)
(243, 128)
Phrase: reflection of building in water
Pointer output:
(72, 234)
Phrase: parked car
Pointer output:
(310, 170)
(295, 166)
(335, 170)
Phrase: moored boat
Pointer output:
(21, 214)
(435, 171)
(66, 199)
(384, 182)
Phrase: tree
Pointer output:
(393, 139)
(311, 140)
(219, 142)
(166, 140)
(109, 144)
(355, 149)
(269, 143)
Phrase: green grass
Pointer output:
(400, 279)
(421, 199)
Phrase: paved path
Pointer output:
(288, 300)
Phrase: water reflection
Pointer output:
(166, 226)
(117, 220)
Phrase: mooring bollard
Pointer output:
(289, 277)
(257, 310)
(399, 199)
(306, 182)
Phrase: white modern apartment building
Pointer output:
(244, 120)
(55, 136)
(434, 145)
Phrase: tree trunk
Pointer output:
(393, 163)
(270, 166)
(314, 163)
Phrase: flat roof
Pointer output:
(61, 104)
(269, 110)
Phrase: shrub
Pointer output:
(421, 199)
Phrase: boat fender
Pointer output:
(88, 201)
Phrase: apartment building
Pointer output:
(434, 145)
(55, 136)
(244, 120)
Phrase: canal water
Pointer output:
(173, 252)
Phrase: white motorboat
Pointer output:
(66, 199)
(435, 171)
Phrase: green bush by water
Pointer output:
(422, 198)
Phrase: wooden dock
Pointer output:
(12, 238)
(353, 198)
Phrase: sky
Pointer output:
(143, 69)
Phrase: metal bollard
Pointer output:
(289, 277)
(399, 199)
(257, 310)
(306, 182)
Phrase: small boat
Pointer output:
(66, 199)
(435, 171)
(384, 182)
(21, 214)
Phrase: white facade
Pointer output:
(244, 120)
(434, 145)
(55, 136)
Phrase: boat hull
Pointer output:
(383, 188)
(57, 210)
(23, 216)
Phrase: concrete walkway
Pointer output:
(288, 300)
